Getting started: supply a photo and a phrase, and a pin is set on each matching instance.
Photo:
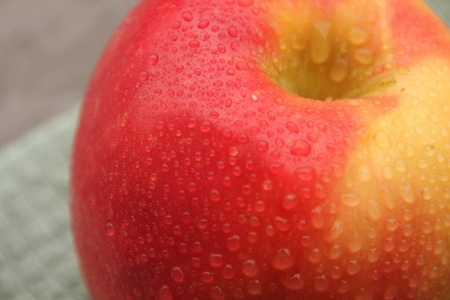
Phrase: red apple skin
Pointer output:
(196, 176)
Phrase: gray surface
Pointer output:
(36, 256)
(36, 252)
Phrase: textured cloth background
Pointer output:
(37, 260)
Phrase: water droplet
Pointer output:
(351, 199)
(110, 230)
(293, 283)
(382, 140)
(245, 2)
(314, 256)
(203, 23)
(228, 272)
(283, 259)
(321, 42)
(153, 59)
(207, 277)
(233, 243)
(363, 56)
(143, 76)
(178, 275)
(407, 194)
(165, 293)
(290, 201)
(215, 260)
(254, 287)
(292, 127)
(392, 224)
(249, 268)
(232, 31)
(262, 146)
(335, 231)
(339, 70)
(321, 283)
(358, 35)
(305, 174)
(300, 148)
(187, 16)
(335, 252)
(353, 267)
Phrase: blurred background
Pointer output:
(48, 49)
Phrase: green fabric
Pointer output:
(37, 260)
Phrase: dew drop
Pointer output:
(300, 148)
(153, 59)
(290, 201)
(321, 283)
(215, 260)
(382, 140)
(233, 243)
(293, 283)
(351, 199)
(339, 70)
(110, 230)
(292, 127)
(232, 31)
(321, 42)
(254, 287)
(178, 275)
(305, 174)
(283, 259)
(245, 2)
(363, 56)
(187, 16)
(407, 194)
(203, 23)
(249, 268)
(358, 35)
(165, 293)
(143, 76)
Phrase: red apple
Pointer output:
(263, 149)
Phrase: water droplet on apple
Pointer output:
(246, 2)
(339, 70)
(353, 267)
(392, 224)
(283, 259)
(351, 199)
(292, 127)
(358, 35)
(228, 272)
(178, 275)
(407, 194)
(143, 76)
(187, 16)
(290, 201)
(233, 31)
(382, 140)
(293, 283)
(321, 42)
(233, 243)
(249, 268)
(215, 260)
(165, 293)
(363, 56)
(321, 283)
(315, 256)
(203, 23)
(153, 59)
(300, 148)
(217, 294)
(254, 287)
(335, 252)
(207, 277)
(110, 230)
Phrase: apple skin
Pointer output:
(205, 165)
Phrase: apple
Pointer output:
(262, 149)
